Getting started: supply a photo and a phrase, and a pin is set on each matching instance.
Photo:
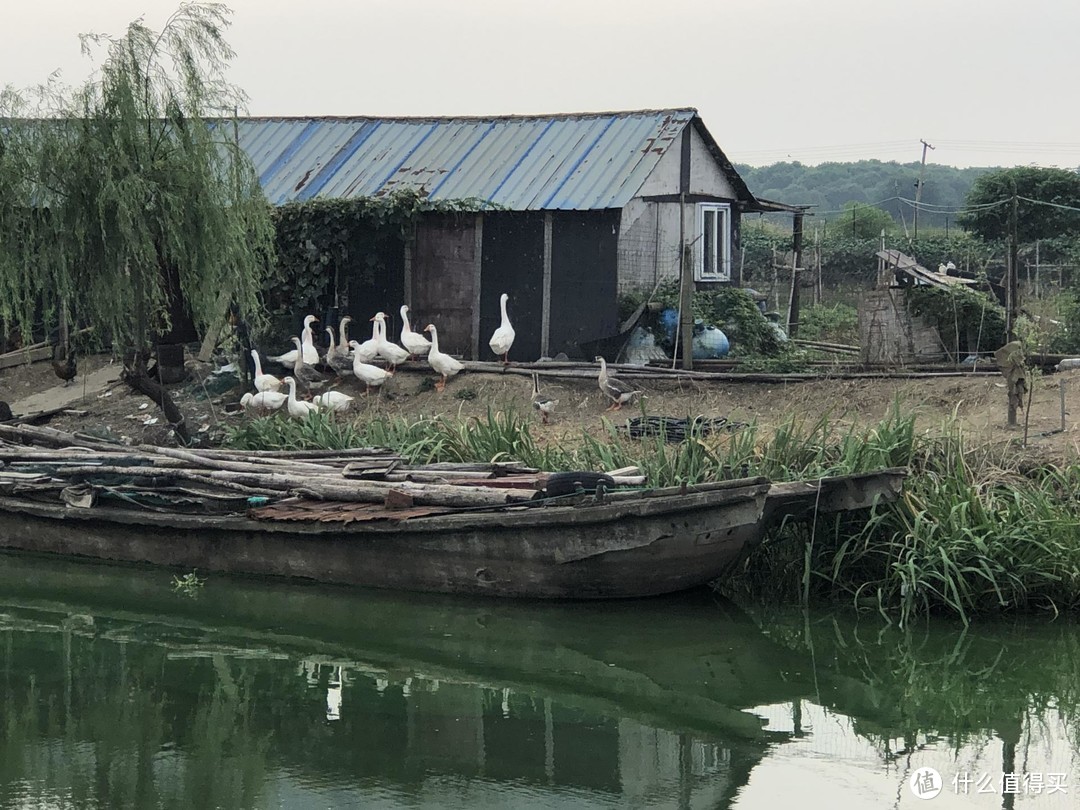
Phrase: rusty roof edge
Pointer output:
(692, 111)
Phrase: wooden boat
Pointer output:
(512, 542)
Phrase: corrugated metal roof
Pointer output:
(524, 163)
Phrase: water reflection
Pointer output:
(119, 692)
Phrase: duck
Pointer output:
(503, 337)
(390, 352)
(310, 353)
(63, 363)
(333, 401)
(263, 402)
(614, 389)
(337, 359)
(306, 376)
(369, 374)
(417, 344)
(263, 382)
(444, 364)
(298, 408)
(543, 404)
(343, 335)
(369, 349)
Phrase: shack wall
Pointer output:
(889, 333)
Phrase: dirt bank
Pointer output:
(100, 404)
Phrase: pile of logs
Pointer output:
(46, 459)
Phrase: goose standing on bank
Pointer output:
(263, 402)
(614, 389)
(343, 336)
(263, 382)
(444, 364)
(306, 377)
(503, 337)
(369, 374)
(417, 344)
(544, 404)
(310, 353)
(337, 359)
(298, 409)
(333, 401)
(369, 349)
(390, 352)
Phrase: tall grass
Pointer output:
(795, 451)
(973, 534)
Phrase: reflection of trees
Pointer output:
(940, 680)
(103, 722)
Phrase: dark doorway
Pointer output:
(513, 263)
(584, 269)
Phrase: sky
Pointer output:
(985, 82)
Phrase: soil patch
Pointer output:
(978, 403)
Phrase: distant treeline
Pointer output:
(830, 186)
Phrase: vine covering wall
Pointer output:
(324, 247)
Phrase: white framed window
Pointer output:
(714, 242)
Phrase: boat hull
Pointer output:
(623, 544)
(623, 549)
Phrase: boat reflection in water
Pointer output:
(120, 691)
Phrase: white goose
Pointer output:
(298, 409)
(369, 349)
(503, 337)
(390, 352)
(444, 364)
(311, 354)
(263, 402)
(417, 344)
(371, 375)
(333, 401)
(264, 382)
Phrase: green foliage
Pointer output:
(972, 535)
(837, 323)
(830, 186)
(734, 310)
(990, 210)
(117, 192)
(966, 319)
(320, 243)
(797, 451)
(864, 221)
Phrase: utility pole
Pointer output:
(1012, 294)
(919, 185)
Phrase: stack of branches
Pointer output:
(50, 465)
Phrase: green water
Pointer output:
(120, 692)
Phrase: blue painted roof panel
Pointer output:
(524, 163)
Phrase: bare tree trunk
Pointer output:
(136, 376)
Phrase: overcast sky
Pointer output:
(986, 82)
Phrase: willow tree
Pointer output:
(129, 193)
